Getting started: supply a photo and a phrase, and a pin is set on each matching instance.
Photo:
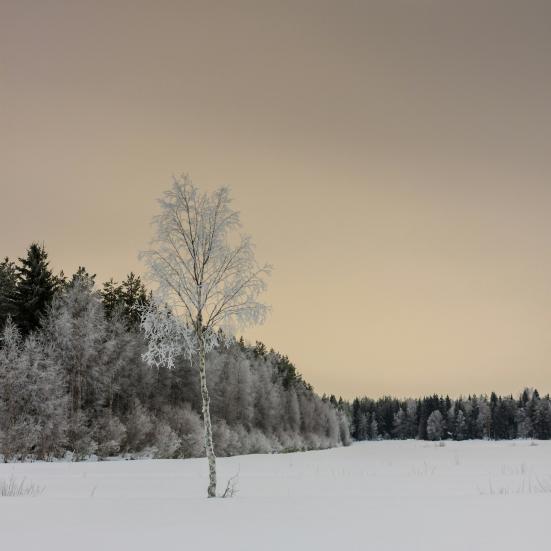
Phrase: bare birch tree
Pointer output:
(208, 280)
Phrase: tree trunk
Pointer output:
(209, 447)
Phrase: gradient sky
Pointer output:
(392, 159)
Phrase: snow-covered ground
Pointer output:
(372, 496)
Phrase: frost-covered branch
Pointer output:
(204, 271)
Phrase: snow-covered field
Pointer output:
(372, 496)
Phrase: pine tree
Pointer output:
(484, 419)
(35, 290)
(524, 423)
(111, 295)
(134, 297)
(374, 428)
(126, 299)
(460, 426)
(8, 286)
(356, 418)
(542, 419)
(400, 424)
(411, 419)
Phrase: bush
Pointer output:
(167, 442)
(290, 442)
(139, 425)
(110, 435)
(80, 438)
(188, 426)
(258, 442)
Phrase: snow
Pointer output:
(371, 496)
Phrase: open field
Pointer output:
(374, 495)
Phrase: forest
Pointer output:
(73, 382)
(440, 418)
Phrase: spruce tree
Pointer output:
(111, 296)
(8, 286)
(35, 289)
(134, 296)
(126, 299)
(460, 426)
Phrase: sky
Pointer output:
(391, 159)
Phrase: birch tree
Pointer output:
(208, 284)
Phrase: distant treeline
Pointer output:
(72, 379)
(437, 417)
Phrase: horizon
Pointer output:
(251, 342)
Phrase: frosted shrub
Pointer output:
(298, 442)
(32, 404)
(344, 429)
(167, 442)
(257, 442)
(80, 438)
(313, 441)
(435, 426)
(222, 436)
(330, 423)
(110, 435)
(285, 441)
(188, 426)
(227, 440)
(138, 428)
(18, 440)
(290, 442)
(276, 445)
(241, 436)
(234, 446)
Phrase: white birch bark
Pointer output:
(207, 425)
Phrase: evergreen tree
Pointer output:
(134, 297)
(451, 424)
(111, 295)
(484, 419)
(374, 428)
(36, 286)
(126, 299)
(542, 419)
(524, 423)
(400, 424)
(411, 419)
(460, 425)
(356, 419)
(8, 287)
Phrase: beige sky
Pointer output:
(392, 159)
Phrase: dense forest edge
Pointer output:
(441, 418)
(73, 384)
